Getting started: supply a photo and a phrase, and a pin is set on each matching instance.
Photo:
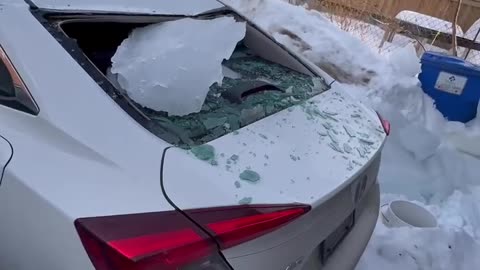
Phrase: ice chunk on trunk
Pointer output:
(170, 66)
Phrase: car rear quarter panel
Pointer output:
(82, 156)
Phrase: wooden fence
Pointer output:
(443, 9)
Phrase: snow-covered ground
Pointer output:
(425, 158)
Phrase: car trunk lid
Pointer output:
(307, 154)
(303, 154)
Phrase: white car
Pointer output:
(279, 173)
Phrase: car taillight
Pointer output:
(385, 124)
(235, 225)
(168, 240)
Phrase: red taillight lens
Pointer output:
(168, 240)
(239, 230)
(151, 241)
(385, 124)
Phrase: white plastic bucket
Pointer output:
(407, 214)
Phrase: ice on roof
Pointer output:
(165, 7)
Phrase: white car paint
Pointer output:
(6, 153)
(164, 7)
(62, 168)
(83, 156)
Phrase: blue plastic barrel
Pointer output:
(453, 83)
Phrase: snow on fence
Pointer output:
(385, 33)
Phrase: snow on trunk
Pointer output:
(170, 66)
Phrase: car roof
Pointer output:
(165, 7)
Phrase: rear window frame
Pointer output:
(51, 20)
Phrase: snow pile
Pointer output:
(421, 163)
(170, 66)
(406, 61)
(424, 159)
(454, 245)
(310, 34)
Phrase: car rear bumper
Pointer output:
(348, 252)
(306, 250)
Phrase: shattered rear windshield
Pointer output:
(253, 88)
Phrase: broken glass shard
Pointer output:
(322, 133)
(379, 129)
(357, 163)
(332, 136)
(245, 200)
(349, 131)
(237, 184)
(335, 147)
(204, 152)
(366, 141)
(312, 111)
(350, 166)
(250, 176)
(361, 152)
(252, 114)
(363, 135)
(330, 113)
(327, 125)
(211, 123)
(347, 148)
(331, 117)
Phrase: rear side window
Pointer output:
(13, 92)
(7, 88)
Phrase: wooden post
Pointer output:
(454, 29)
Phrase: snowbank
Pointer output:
(421, 161)
(313, 36)
(170, 66)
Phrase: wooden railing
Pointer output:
(443, 9)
